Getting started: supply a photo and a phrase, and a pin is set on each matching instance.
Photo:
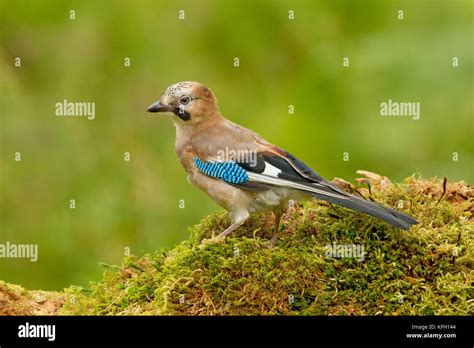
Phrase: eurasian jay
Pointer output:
(241, 171)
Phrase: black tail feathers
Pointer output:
(391, 216)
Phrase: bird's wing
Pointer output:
(264, 167)
(230, 172)
(275, 167)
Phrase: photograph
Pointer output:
(236, 172)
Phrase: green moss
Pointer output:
(16, 300)
(424, 271)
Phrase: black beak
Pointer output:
(157, 107)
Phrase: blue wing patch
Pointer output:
(229, 172)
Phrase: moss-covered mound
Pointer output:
(424, 271)
(15, 300)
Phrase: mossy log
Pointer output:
(427, 270)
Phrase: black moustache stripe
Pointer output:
(182, 114)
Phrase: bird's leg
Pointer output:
(278, 213)
(230, 229)
(238, 222)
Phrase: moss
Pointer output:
(427, 270)
(15, 300)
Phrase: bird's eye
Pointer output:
(184, 100)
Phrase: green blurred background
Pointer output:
(135, 204)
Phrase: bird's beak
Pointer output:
(158, 107)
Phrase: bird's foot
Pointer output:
(272, 241)
(212, 240)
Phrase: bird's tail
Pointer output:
(391, 216)
(328, 192)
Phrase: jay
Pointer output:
(241, 171)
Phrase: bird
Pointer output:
(241, 171)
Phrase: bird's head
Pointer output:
(191, 102)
